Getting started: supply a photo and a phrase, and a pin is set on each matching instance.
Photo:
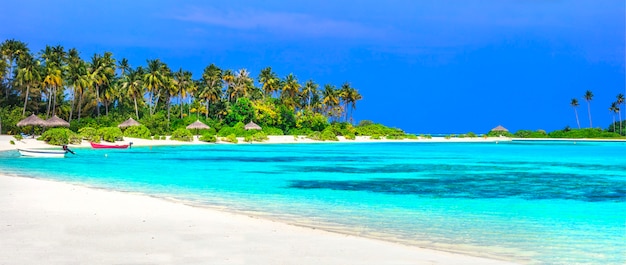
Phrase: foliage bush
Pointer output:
(375, 137)
(208, 137)
(328, 135)
(111, 134)
(89, 133)
(471, 135)
(182, 135)
(57, 136)
(272, 131)
(349, 136)
(583, 133)
(378, 129)
(18, 137)
(531, 134)
(411, 136)
(499, 133)
(12, 142)
(231, 138)
(140, 131)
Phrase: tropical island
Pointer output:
(96, 95)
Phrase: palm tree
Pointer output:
(309, 89)
(132, 83)
(588, 98)
(27, 74)
(211, 79)
(345, 96)
(123, 65)
(614, 109)
(270, 81)
(353, 97)
(620, 101)
(574, 105)
(10, 50)
(290, 91)
(330, 99)
(229, 79)
(82, 82)
(242, 84)
(153, 81)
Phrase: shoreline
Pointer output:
(77, 219)
(288, 139)
(273, 139)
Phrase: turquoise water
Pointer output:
(530, 202)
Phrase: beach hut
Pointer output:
(252, 126)
(128, 123)
(198, 125)
(32, 120)
(55, 121)
(499, 129)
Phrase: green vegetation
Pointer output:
(110, 134)
(60, 136)
(182, 135)
(231, 138)
(103, 91)
(137, 132)
(209, 138)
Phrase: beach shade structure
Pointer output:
(252, 126)
(32, 120)
(55, 121)
(128, 123)
(499, 129)
(198, 125)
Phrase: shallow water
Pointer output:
(531, 202)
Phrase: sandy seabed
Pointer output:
(49, 222)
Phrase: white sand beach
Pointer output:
(59, 223)
(47, 222)
(5, 141)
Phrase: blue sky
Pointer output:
(430, 66)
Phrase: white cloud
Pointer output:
(283, 24)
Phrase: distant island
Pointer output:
(95, 96)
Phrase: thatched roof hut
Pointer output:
(499, 129)
(31, 120)
(128, 123)
(198, 125)
(252, 126)
(55, 121)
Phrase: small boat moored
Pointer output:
(42, 153)
(118, 146)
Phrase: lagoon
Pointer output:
(530, 202)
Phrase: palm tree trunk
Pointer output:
(589, 112)
(207, 109)
(181, 105)
(49, 101)
(577, 121)
(25, 100)
(169, 101)
(620, 121)
(98, 100)
(80, 105)
(136, 111)
(72, 106)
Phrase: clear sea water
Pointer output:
(529, 202)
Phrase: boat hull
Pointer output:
(42, 153)
(101, 146)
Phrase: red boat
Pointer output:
(119, 146)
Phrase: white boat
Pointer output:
(42, 153)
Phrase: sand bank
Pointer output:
(57, 223)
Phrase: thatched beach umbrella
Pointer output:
(55, 121)
(198, 125)
(128, 123)
(252, 126)
(31, 120)
(499, 129)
